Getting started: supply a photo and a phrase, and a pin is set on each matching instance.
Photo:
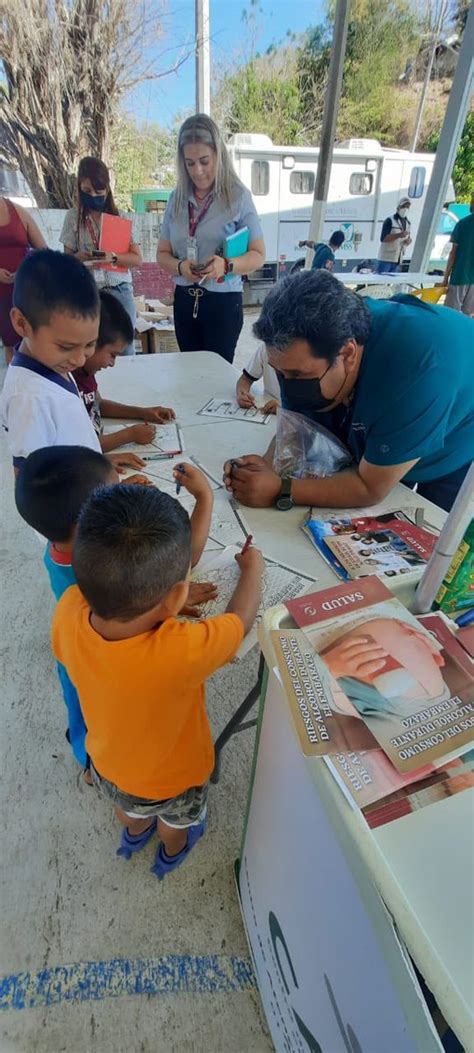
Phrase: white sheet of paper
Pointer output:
(229, 409)
(279, 584)
(168, 439)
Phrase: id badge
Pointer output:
(191, 250)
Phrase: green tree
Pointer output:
(258, 98)
(382, 34)
(463, 171)
(141, 156)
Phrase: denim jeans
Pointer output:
(124, 293)
(386, 267)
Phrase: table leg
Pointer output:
(237, 722)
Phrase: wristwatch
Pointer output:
(229, 266)
(114, 258)
(284, 501)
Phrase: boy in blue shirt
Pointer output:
(51, 489)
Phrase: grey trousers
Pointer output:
(461, 298)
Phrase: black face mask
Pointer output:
(306, 393)
(96, 204)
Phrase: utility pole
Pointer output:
(328, 131)
(455, 116)
(203, 72)
(421, 105)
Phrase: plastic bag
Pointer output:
(304, 449)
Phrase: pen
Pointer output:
(179, 468)
(247, 544)
(160, 456)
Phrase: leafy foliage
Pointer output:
(463, 171)
(66, 67)
(141, 155)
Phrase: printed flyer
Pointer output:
(362, 657)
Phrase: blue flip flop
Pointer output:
(130, 843)
(164, 864)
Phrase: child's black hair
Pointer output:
(115, 322)
(50, 281)
(133, 544)
(53, 485)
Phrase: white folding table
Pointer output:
(423, 877)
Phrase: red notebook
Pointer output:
(115, 236)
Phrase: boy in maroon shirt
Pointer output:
(115, 334)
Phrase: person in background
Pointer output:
(459, 271)
(209, 204)
(18, 233)
(258, 367)
(115, 332)
(324, 253)
(394, 239)
(80, 235)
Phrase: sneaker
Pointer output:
(131, 843)
(164, 864)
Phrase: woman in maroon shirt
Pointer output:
(18, 233)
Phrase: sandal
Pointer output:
(164, 864)
(130, 843)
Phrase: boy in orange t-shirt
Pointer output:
(139, 671)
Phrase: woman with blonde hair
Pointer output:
(208, 205)
(80, 235)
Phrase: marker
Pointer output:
(179, 468)
(247, 544)
(465, 619)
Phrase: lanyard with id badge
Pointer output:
(191, 244)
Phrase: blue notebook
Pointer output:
(235, 245)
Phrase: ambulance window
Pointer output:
(260, 178)
(360, 183)
(417, 182)
(301, 182)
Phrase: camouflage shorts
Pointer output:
(187, 809)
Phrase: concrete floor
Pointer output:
(96, 954)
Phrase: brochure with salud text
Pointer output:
(362, 673)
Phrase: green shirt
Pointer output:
(414, 396)
(463, 236)
(322, 255)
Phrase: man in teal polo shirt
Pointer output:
(391, 378)
(460, 266)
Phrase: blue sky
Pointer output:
(162, 100)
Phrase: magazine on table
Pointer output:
(388, 544)
(447, 780)
(365, 673)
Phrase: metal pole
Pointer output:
(328, 131)
(456, 112)
(203, 73)
(421, 105)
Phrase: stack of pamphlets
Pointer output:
(388, 544)
(385, 698)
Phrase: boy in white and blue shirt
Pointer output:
(56, 314)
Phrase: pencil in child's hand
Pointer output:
(247, 544)
(179, 468)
